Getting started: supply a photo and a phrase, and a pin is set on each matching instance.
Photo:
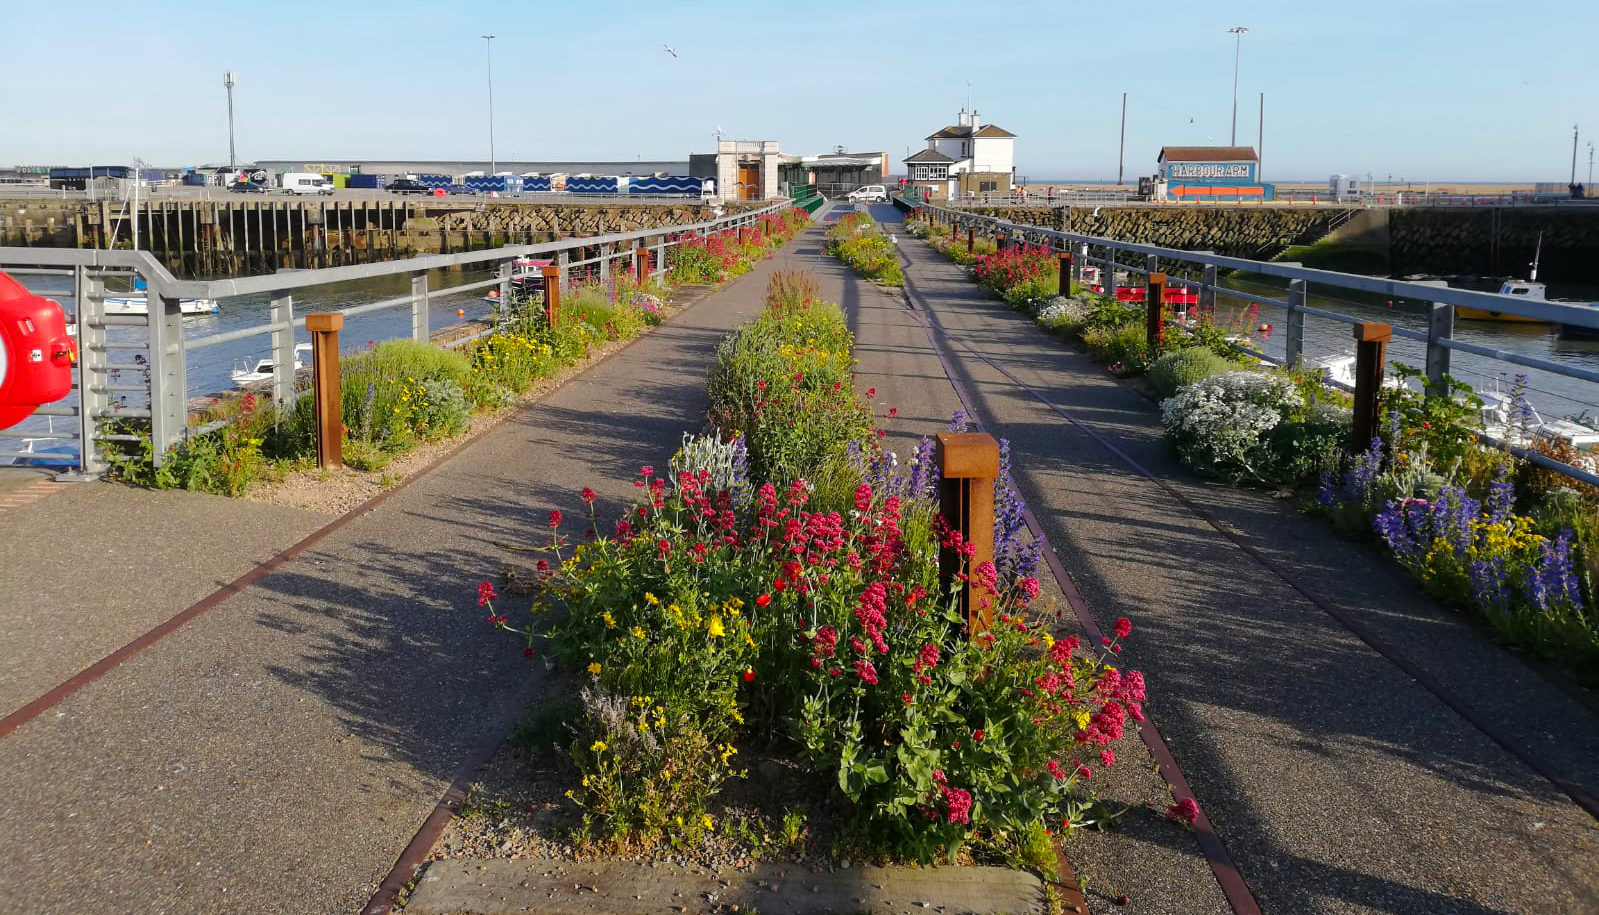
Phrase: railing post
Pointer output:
(1067, 272)
(1294, 340)
(605, 263)
(282, 311)
(552, 294)
(168, 374)
(561, 259)
(1440, 327)
(1207, 295)
(419, 306)
(968, 463)
(971, 240)
(1151, 263)
(1079, 262)
(1371, 350)
(326, 390)
(1108, 272)
(641, 260)
(89, 296)
(1154, 310)
(999, 241)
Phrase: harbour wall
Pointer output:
(1400, 241)
(214, 238)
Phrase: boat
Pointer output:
(527, 278)
(263, 370)
(1175, 294)
(1502, 421)
(137, 303)
(1341, 372)
(55, 457)
(1532, 290)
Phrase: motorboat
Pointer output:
(527, 278)
(1534, 291)
(263, 370)
(1520, 425)
(137, 303)
(1176, 294)
(1341, 372)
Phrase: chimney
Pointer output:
(964, 119)
(977, 121)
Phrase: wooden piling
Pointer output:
(325, 388)
(1371, 352)
(969, 464)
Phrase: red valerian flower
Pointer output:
(485, 593)
(588, 495)
(555, 517)
(764, 599)
(1107, 756)
(866, 671)
(1124, 627)
(1184, 811)
(1056, 771)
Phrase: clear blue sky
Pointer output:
(1420, 89)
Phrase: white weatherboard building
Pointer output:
(966, 159)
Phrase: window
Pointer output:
(988, 186)
(931, 172)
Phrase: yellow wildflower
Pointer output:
(638, 632)
(599, 746)
(610, 621)
(594, 668)
(705, 820)
(651, 599)
(715, 628)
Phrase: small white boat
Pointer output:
(1341, 373)
(264, 367)
(137, 303)
(1500, 420)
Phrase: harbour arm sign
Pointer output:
(1210, 170)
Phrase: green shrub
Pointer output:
(1184, 367)
(857, 241)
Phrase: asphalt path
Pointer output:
(1335, 780)
(277, 753)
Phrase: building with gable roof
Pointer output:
(966, 159)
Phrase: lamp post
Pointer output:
(1238, 33)
(227, 80)
(488, 56)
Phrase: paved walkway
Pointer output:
(278, 752)
(1336, 781)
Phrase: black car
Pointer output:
(408, 186)
(246, 187)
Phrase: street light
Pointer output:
(227, 80)
(488, 56)
(1238, 33)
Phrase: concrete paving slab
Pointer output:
(503, 887)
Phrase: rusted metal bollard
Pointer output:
(1065, 273)
(969, 463)
(552, 293)
(971, 240)
(1371, 353)
(327, 398)
(999, 242)
(641, 264)
(1155, 310)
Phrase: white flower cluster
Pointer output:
(1061, 310)
(1218, 423)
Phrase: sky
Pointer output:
(1416, 89)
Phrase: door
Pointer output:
(749, 179)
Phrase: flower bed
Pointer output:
(857, 241)
(401, 393)
(781, 590)
(1482, 530)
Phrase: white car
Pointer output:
(871, 193)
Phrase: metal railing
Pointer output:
(1200, 271)
(161, 358)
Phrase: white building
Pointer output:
(966, 159)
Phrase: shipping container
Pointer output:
(368, 182)
(435, 180)
(494, 184)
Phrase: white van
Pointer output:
(306, 183)
(871, 193)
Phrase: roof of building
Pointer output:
(928, 155)
(1207, 154)
(960, 133)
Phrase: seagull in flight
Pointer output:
(670, 50)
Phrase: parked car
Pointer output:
(871, 193)
(408, 186)
(247, 187)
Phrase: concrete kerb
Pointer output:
(612, 887)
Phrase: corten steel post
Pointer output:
(971, 240)
(1155, 309)
(1371, 351)
(999, 242)
(552, 294)
(325, 392)
(1065, 273)
(969, 462)
(641, 264)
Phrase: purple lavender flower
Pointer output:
(1501, 494)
